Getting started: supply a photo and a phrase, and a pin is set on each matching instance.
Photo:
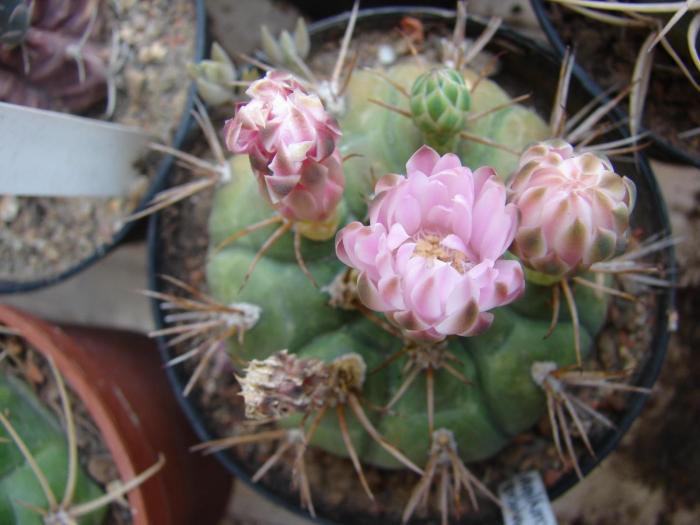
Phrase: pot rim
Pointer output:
(158, 182)
(664, 148)
(602, 447)
(50, 340)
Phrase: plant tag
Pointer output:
(45, 153)
(525, 501)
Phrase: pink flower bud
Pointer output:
(291, 142)
(430, 256)
(316, 195)
(574, 209)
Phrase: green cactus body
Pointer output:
(502, 399)
(45, 439)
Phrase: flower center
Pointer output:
(430, 247)
(580, 184)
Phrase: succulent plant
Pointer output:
(289, 50)
(214, 77)
(44, 438)
(42, 478)
(424, 311)
(500, 398)
(50, 55)
(15, 16)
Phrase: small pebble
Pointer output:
(386, 55)
(9, 208)
(139, 21)
(127, 34)
(154, 53)
(101, 468)
(134, 81)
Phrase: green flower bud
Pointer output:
(440, 101)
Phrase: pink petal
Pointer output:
(460, 295)
(422, 161)
(425, 299)
(408, 214)
(388, 182)
(403, 256)
(461, 222)
(571, 242)
(481, 176)
(483, 322)
(447, 162)
(281, 185)
(391, 292)
(369, 295)
(384, 264)
(345, 241)
(367, 248)
(397, 236)
(300, 204)
(433, 194)
(408, 320)
(429, 335)
(511, 277)
(460, 321)
(453, 242)
(438, 216)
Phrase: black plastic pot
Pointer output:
(524, 66)
(318, 9)
(660, 148)
(157, 183)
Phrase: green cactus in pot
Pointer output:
(401, 324)
(45, 476)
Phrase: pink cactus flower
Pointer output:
(574, 209)
(291, 141)
(430, 257)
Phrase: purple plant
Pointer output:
(51, 56)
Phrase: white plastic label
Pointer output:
(44, 153)
(525, 501)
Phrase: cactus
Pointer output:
(424, 311)
(50, 56)
(214, 77)
(42, 480)
(288, 51)
(44, 438)
(502, 399)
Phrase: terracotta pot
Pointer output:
(119, 378)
